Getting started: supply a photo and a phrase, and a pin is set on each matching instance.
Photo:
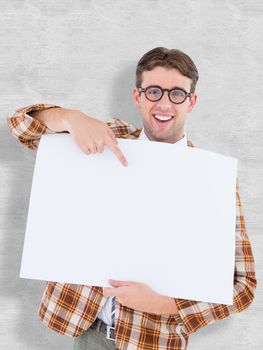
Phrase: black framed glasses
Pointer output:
(154, 93)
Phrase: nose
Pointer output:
(165, 101)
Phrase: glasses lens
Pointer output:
(177, 96)
(153, 93)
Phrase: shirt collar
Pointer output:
(181, 143)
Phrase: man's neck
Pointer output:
(181, 141)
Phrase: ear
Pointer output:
(192, 102)
(136, 98)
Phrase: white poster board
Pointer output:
(167, 219)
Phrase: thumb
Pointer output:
(116, 283)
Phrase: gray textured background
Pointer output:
(82, 54)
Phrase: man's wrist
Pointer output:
(68, 117)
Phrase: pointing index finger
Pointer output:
(116, 150)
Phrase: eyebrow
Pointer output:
(173, 88)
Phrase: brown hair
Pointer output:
(163, 57)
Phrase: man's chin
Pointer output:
(160, 136)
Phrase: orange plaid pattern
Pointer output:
(70, 309)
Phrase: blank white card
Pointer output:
(167, 219)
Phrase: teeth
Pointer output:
(162, 117)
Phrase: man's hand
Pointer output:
(141, 297)
(92, 134)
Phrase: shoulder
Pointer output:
(123, 129)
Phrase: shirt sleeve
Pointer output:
(123, 129)
(25, 128)
(194, 314)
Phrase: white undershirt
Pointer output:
(105, 313)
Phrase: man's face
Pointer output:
(171, 130)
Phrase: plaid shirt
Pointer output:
(70, 309)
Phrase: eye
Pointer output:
(177, 93)
(153, 91)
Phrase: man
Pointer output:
(144, 319)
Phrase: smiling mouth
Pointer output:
(163, 118)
